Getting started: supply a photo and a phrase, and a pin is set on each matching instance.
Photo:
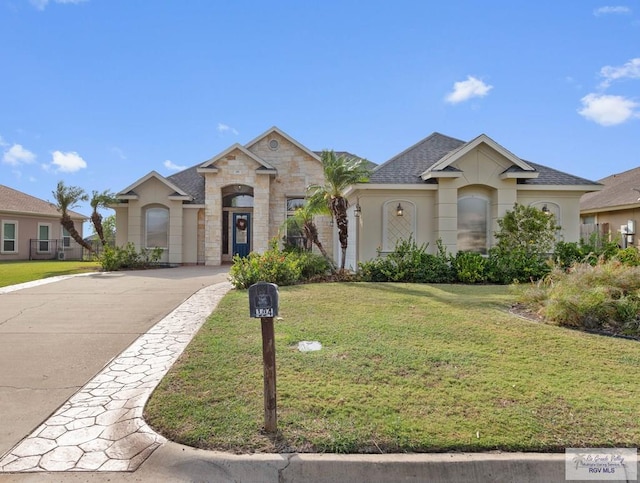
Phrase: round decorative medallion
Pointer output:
(241, 224)
(274, 144)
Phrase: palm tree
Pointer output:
(100, 200)
(340, 172)
(302, 219)
(67, 198)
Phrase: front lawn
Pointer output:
(403, 368)
(12, 273)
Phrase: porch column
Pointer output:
(446, 214)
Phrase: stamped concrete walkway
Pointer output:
(100, 428)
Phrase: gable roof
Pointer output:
(437, 152)
(263, 164)
(130, 193)
(284, 135)
(620, 192)
(14, 201)
(448, 159)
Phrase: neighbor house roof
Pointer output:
(409, 166)
(621, 191)
(14, 201)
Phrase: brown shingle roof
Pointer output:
(16, 201)
(619, 191)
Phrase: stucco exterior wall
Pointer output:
(27, 229)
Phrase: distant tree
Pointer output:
(67, 198)
(100, 200)
(109, 229)
(303, 219)
(340, 172)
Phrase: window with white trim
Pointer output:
(473, 224)
(66, 238)
(157, 228)
(44, 232)
(295, 235)
(9, 236)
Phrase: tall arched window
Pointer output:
(157, 228)
(473, 224)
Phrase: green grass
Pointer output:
(12, 273)
(404, 368)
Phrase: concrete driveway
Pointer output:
(56, 337)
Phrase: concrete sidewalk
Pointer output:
(55, 339)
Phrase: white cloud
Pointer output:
(42, 4)
(609, 10)
(608, 110)
(630, 70)
(172, 166)
(465, 90)
(223, 128)
(17, 155)
(3, 143)
(68, 162)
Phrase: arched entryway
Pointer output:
(237, 221)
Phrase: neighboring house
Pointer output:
(30, 228)
(614, 211)
(439, 189)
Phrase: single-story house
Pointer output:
(614, 211)
(30, 228)
(438, 189)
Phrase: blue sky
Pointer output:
(97, 93)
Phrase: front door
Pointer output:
(241, 234)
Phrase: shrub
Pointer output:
(604, 297)
(127, 257)
(470, 267)
(516, 265)
(630, 256)
(409, 263)
(273, 266)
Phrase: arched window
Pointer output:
(157, 228)
(473, 224)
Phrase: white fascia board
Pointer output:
(180, 197)
(607, 209)
(441, 174)
(520, 175)
(556, 187)
(387, 187)
(207, 170)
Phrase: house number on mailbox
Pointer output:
(263, 300)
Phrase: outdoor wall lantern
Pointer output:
(545, 210)
(399, 210)
(357, 211)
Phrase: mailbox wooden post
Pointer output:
(263, 303)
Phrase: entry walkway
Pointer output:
(100, 428)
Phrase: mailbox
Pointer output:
(263, 300)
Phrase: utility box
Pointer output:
(263, 300)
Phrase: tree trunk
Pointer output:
(67, 223)
(339, 209)
(312, 233)
(96, 219)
